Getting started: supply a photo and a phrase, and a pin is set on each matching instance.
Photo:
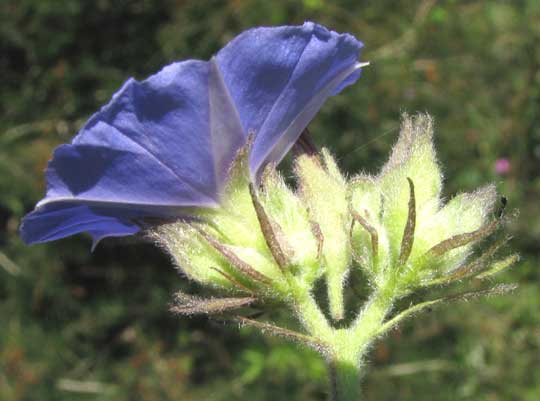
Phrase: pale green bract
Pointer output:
(275, 245)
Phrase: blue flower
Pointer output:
(166, 143)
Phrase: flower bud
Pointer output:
(418, 237)
(272, 241)
(324, 192)
(256, 238)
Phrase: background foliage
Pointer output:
(95, 326)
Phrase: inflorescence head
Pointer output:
(267, 240)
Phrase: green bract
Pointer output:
(274, 244)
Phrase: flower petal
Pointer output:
(147, 152)
(280, 77)
(59, 221)
(167, 143)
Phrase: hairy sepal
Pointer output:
(465, 213)
(413, 157)
(193, 256)
(369, 241)
(325, 193)
(292, 220)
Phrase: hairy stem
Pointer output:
(309, 314)
(344, 380)
(349, 345)
(343, 348)
(366, 326)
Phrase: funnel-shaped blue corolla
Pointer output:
(166, 143)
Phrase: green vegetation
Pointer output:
(95, 326)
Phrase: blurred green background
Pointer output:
(83, 326)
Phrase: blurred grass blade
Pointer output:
(8, 265)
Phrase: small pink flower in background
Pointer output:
(502, 166)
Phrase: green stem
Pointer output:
(344, 380)
(349, 346)
(367, 324)
(344, 348)
(334, 280)
(344, 366)
(309, 313)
